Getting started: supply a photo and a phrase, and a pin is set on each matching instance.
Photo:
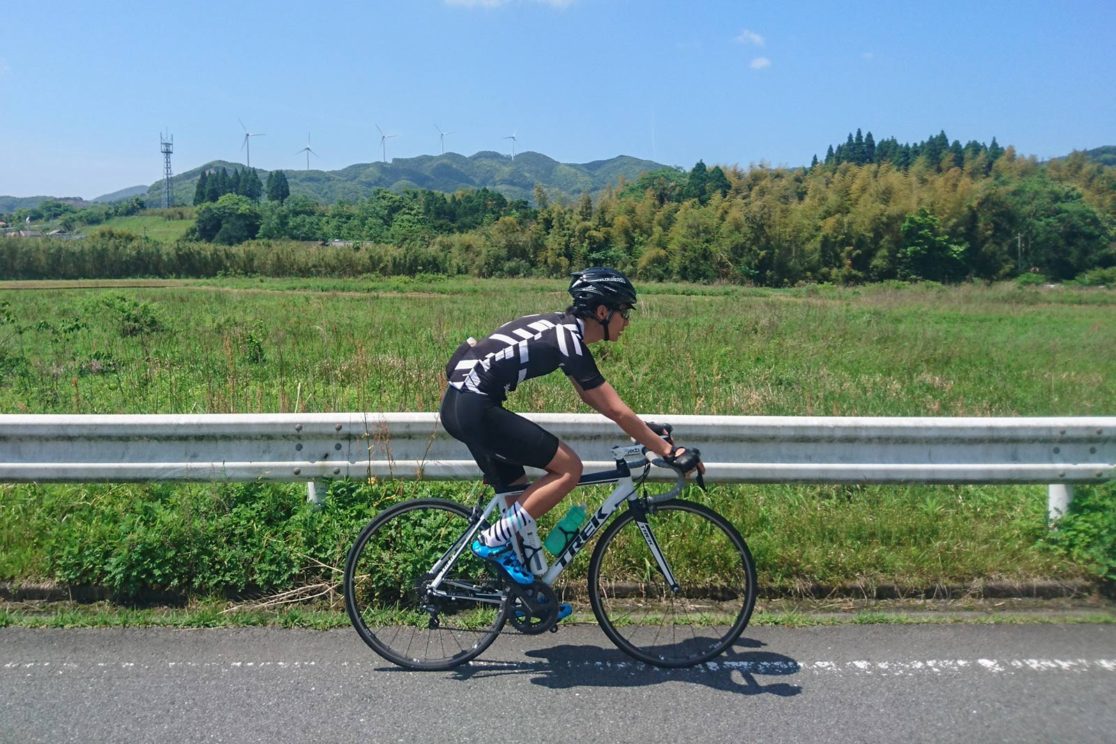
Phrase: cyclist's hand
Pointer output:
(686, 460)
(663, 430)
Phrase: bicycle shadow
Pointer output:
(567, 666)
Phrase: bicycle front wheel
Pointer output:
(713, 592)
(389, 594)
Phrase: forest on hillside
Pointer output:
(935, 210)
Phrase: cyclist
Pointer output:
(482, 374)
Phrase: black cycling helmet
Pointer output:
(600, 286)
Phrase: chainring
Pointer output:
(534, 608)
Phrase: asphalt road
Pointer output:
(1028, 683)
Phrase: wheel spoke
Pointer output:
(387, 591)
(643, 614)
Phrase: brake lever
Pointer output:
(699, 478)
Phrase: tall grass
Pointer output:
(379, 344)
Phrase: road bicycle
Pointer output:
(671, 582)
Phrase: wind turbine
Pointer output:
(443, 136)
(513, 140)
(308, 151)
(383, 141)
(247, 138)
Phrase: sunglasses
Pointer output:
(625, 312)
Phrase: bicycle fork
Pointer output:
(640, 512)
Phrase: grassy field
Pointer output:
(153, 226)
(250, 345)
(255, 345)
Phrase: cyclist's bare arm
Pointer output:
(605, 400)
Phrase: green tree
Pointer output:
(200, 189)
(691, 245)
(250, 184)
(696, 183)
(215, 186)
(1064, 236)
(665, 185)
(718, 183)
(541, 199)
(926, 253)
(230, 220)
(308, 220)
(277, 187)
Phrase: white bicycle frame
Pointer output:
(628, 458)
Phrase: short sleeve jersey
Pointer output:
(531, 346)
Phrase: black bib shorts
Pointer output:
(500, 441)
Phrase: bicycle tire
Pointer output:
(385, 588)
(637, 609)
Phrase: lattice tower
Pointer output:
(167, 147)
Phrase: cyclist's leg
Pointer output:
(563, 471)
(510, 442)
(562, 475)
(464, 416)
(511, 438)
(503, 442)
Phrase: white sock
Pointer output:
(514, 520)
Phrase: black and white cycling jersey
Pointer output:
(531, 346)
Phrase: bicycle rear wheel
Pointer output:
(647, 618)
(389, 598)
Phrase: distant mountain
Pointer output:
(1104, 155)
(9, 204)
(514, 178)
(123, 194)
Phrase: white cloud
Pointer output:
(760, 63)
(749, 37)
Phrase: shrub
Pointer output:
(1032, 279)
(136, 318)
(1088, 532)
(1098, 278)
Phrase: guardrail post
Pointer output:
(1058, 498)
(316, 491)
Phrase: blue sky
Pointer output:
(86, 88)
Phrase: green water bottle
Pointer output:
(565, 530)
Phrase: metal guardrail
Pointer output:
(737, 449)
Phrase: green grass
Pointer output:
(155, 227)
(252, 345)
(199, 614)
(213, 614)
(378, 346)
